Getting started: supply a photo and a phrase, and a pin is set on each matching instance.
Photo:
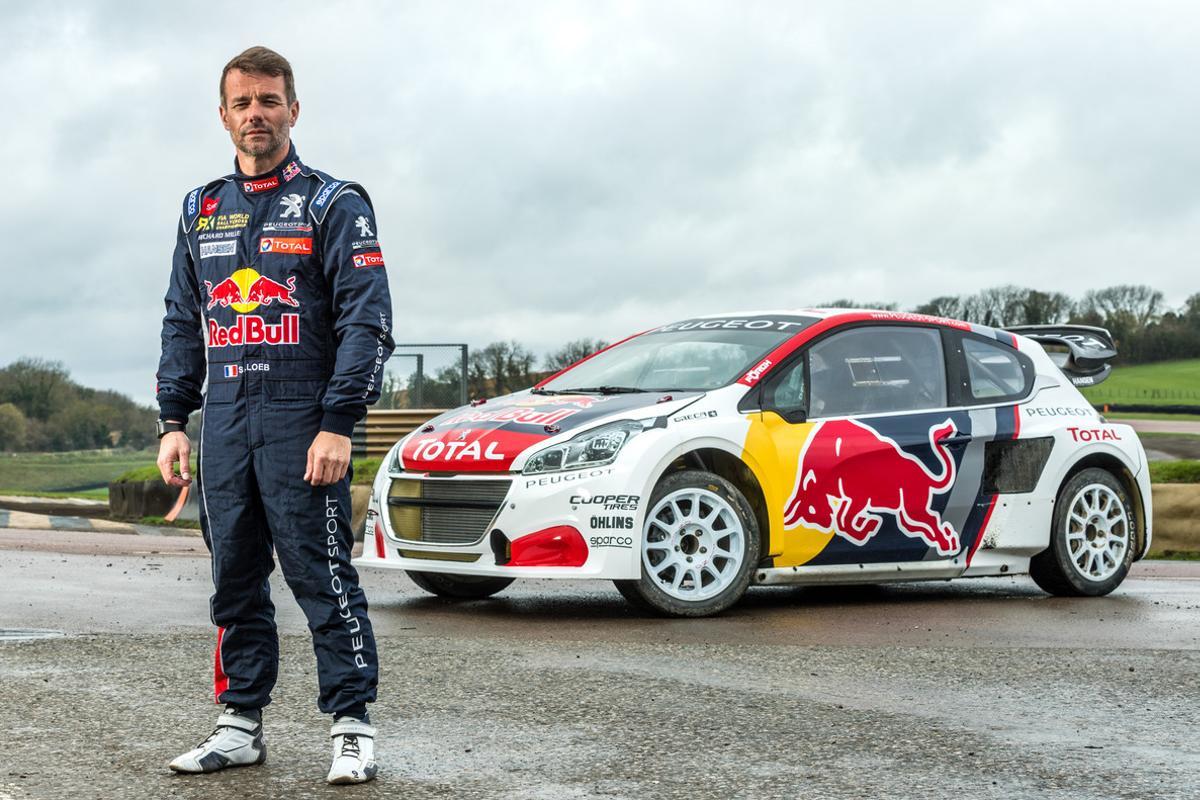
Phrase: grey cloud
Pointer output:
(575, 169)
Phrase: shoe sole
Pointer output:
(262, 759)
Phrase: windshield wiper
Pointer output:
(603, 390)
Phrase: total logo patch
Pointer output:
(261, 186)
(279, 244)
(211, 249)
(368, 260)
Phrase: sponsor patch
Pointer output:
(217, 235)
(292, 204)
(191, 201)
(374, 259)
(365, 244)
(291, 171)
(326, 193)
(253, 187)
(277, 244)
(289, 227)
(211, 249)
(1058, 411)
(209, 206)
(364, 226)
(612, 523)
(223, 222)
(232, 370)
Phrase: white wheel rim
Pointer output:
(1097, 532)
(693, 544)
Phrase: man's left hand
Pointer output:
(328, 459)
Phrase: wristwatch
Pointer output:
(164, 427)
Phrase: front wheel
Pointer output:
(700, 545)
(1092, 539)
(458, 587)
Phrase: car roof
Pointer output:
(864, 315)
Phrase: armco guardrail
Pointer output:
(375, 435)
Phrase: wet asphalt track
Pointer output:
(984, 688)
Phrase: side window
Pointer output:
(994, 372)
(785, 392)
(876, 370)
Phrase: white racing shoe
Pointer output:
(237, 741)
(353, 751)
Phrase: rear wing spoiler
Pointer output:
(1082, 352)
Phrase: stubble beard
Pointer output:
(275, 142)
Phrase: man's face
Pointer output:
(256, 113)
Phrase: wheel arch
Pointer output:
(1121, 471)
(730, 466)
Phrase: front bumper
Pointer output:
(598, 503)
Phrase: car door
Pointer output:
(867, 449)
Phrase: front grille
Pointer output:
(444, 511)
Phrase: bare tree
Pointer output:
(945, 306)
(573, 351)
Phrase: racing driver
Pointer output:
(278, 323)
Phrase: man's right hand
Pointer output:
(175, 448)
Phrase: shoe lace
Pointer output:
(350, 746)
(210, 737)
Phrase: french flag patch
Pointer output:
(231, 370)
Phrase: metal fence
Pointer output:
(424, 376)
(382, 428)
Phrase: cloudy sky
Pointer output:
(543, 172)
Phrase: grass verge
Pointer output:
(164, 523)
(1175, 471)
(1174, 555)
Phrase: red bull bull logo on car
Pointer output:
(849, 474)
(244, 291)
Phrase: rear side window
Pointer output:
(876, 370)
(994, 372)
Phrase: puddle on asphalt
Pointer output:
(25, 634)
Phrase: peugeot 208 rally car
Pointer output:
(815, 446)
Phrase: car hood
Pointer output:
(489, 436)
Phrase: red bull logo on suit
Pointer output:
(244, 291)
(849, 474)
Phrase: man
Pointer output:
(278, 302)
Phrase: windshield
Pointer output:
(692, 355)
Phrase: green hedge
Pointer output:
(1175, 471)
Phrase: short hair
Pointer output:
(262, 61)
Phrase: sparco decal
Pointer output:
(1094, 434)
(436, 449)
(611, 502)
(353, 625)
(625, 542)
(253, 329)
(612, 523)
(1058, 411)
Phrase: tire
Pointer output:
(458, 587)
(691, 518)
(1092, 538)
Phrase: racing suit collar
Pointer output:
(287, 169)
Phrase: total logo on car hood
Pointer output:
(489, 436)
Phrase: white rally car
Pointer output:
(813, 446)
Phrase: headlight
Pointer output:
(592, 448)
(393, 458)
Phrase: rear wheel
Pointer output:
(458, 587)
(1092, 539)
(700, 544)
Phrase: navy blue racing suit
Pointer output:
(278, 322)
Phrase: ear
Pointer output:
(293, 114)
(224, 116)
